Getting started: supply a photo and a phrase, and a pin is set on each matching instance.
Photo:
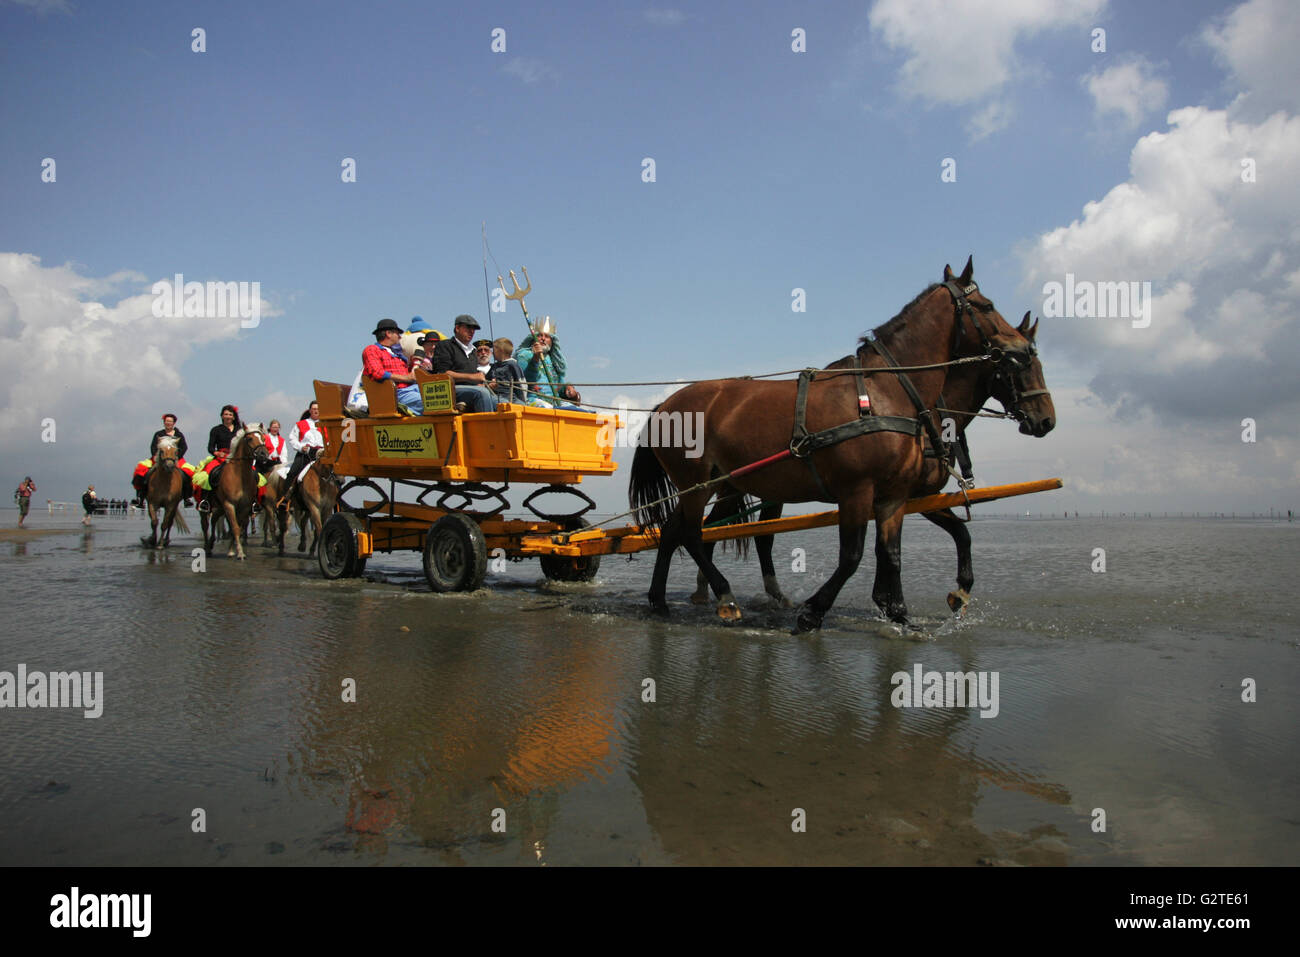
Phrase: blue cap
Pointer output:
(418, 325)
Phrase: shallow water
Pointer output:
(1119, 691)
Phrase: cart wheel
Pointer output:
(566, 568)
(455, 554)
(337, 551)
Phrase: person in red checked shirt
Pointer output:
(386, 360)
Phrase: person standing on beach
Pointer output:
(23, 496)
(88, 504)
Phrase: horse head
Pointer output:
(168, 454)
(251, 441)
(1019, 385)
(1017, 375)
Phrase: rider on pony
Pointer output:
(140, 480)
(307, 440)
(219, 440)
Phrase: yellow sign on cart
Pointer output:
(438, 396)
(406, 441)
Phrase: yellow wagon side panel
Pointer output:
(521, 444)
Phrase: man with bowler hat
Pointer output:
(386, 360)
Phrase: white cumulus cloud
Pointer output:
(1129, 88)
(76, 346)
(1256, 44)
(966, 54)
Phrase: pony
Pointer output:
(235, 489)
(314, 501)
(966, 350)
(164, 493)
(275, 521)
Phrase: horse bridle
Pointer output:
(1008, 367)
(261, 446)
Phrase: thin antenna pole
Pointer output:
(487, 290)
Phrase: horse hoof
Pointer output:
(807, 621)
(659, 609)
(728, 611)
(958, 601)
(700, 597)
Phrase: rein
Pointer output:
(803, 443)
(239, 454)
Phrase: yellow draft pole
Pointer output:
(630, 539)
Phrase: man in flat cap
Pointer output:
(458, 357)
(386, 360)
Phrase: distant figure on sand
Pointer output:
(23, 497)
(88, 504)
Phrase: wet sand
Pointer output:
(27, 533)
(526, 703)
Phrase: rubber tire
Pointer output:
(455, 554)
(565, 568)
(336, 552)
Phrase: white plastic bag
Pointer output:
(357, 402)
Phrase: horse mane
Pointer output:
(897, 326)
(167, 442)
(239, 436)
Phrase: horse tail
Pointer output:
(179, 522)
(741, 507)
(650, 491)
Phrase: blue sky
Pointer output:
(774, 170)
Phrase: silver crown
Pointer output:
(543, 326)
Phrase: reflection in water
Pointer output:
(224, 689)
(878, 784)
(450, 725)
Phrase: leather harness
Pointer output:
(803, 443)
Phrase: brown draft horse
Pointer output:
(235, 490)
(867, 476)
(164, 493)
(731, 505)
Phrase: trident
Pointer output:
(519, 295)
